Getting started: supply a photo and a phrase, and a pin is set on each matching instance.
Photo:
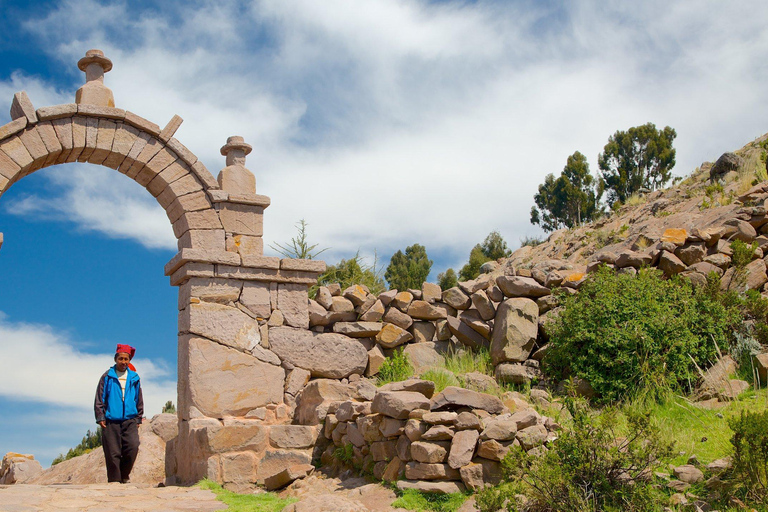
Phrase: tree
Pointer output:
(641, 157)
(169, 407)
(492, 248)
(447, 279)
(353, 271)
(408, 270)
(299, 246)
(568, 200)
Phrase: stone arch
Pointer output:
(227, 287)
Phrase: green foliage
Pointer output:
(492, 248)
(169, 408)
(441, 378)
(625, 334)
(594, 465)
(750, 454)
(641, 157)
(344, 453)
(568, 200)
(262, 502)
(411, 499)
(408, 270)
(742, 253)
(395, 368)
(299, 246)
(90, 441)
(472, 268)
(530, 241)
(466, 361)
(500, 497)
(447, 279)
(353, 271)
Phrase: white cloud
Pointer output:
(386, 123)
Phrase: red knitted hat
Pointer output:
(125, 349)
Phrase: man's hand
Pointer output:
(103, 424)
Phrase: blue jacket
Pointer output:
(109, 404)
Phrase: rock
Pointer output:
(472, 318)
(465, 334)
(705, 268)
(429, 452)
(719, 260)
(423, 310)
(431, 487)
(727, 162)
(716, 377)
(402, 300)
(499, 430)
(431, 292)
(515, 330)
(313, 401)
(318, 315)
(287, 476)
(480, 283)
(467, 420)
(17, 468)
(356, 294)
(477, 381)
(224, 324)
(375, 359)
(165, 425)
(383, 450)
(398, 404)
(392, 336)
(350, 410)
(493, 450)
(456, 298)
(423, 331)
(414, 429)
(423, 356)
(670, 264)
(341, 305)
(422, 471)
(218, 378)
(688, 473)
(394, 470)
(531, 437)
(324, 355)
(632, 259)
(390, 427)
(374, 313)
(515, 373)
(720, 465)
(483, 304)
(396, 317)
(732, 389)
(675, 236)
(692, 253)
(454, 398)
(438, 433)
(736, 229)
(440, 418)
(517, 286)
(425, 387)
(324, 297)
(357, 329)
(761, 364)
(472, 476)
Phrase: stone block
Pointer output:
(324, 355)
(287, 476)
(431, 487)
(241, 219)
(21, 107)
(173, 172)
(238, 468)
(57, 112)
(16, 150)
(224, 324)
(515, 330)
(292, 436)
(93, 110)
(303, 265)
(170, 129)
(51, 141)
(124, 139)
(453, 397)
(141, 123)
(205, 239)
(275, 461)
(63, 129)
(36, 148)
(12, 128)
(204, 219)
(78, 138)
(8, 168)
(236, 435)
(357, 329)
(220, 381)
(91, 136)
(245, 245)
(255, 297)
(105, 137)
(391, 336)
(193, 202)
(398, 404)
(423, 471)
(147, 153)
(190, 270)
(430, 452)
(292, 302)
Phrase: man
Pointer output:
(119, 408)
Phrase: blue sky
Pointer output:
(382, 123)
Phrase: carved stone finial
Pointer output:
(235, 178)
(94, 92)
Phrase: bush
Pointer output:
(90, 441)
(395, 368)
(352, 271)
(750, 454)
(590, 467)
(742, 253)
(625, 334)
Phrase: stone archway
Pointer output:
(231, 386)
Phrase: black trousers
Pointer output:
(120, 441)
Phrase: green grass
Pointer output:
(466, 361)
(441, 378)
(414, 500)
(265, 502)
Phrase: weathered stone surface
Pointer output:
(438, 433)
(515, 330)
(525, 418)
(357, 329)
(423, 356)
(275, 461)
(423, 310)
(431, 292)
(374, 313)
(402, 300)
(391, 336)
(330, 502)
(462, 448)
(688, 473)
(483, 304)
(383, 450)
(214, 378)
(477, 381)
(394, 470)
(423, 331)
(414, 429)
(517, 286)
(425, 387)
(670, 264)
(390, 427)
(453, 397)
(431, 487)
(341, 305)
(466, 334)
(18, 468)
(398, 404)
(440, 418)
(398, 318)
(292, 436)
(719, 260)
(493, 450)
(456, 298)
(424, 471)
(292, 303)
(324, 297)
(692, 253)
(165, 426)
(732, 389)
(313, 401)
(296, 380)
(500, 430)
(429, 453)
(675, 235)
(356, 294)
(632, 259)
(324, 355)
(472, 476)
(532, 436)
(467, 420)
(375, 359)
(472, 318)
(514, 373)
(287, 476)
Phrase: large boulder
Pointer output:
(727, 162)
(515, 330)
(398, 404)
(333, 356)
(517, 286)
(423, 356)
(313, 401)
(18, 468)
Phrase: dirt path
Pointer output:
(105, 498)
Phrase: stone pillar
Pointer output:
(94, 92)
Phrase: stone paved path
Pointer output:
(105, 498)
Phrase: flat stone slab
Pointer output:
(97, 497)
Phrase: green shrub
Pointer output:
(441, 378)
(591, 466)
(625, 334)
(90, 441)
(750, 454)
(395, 368)
(742, 253)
